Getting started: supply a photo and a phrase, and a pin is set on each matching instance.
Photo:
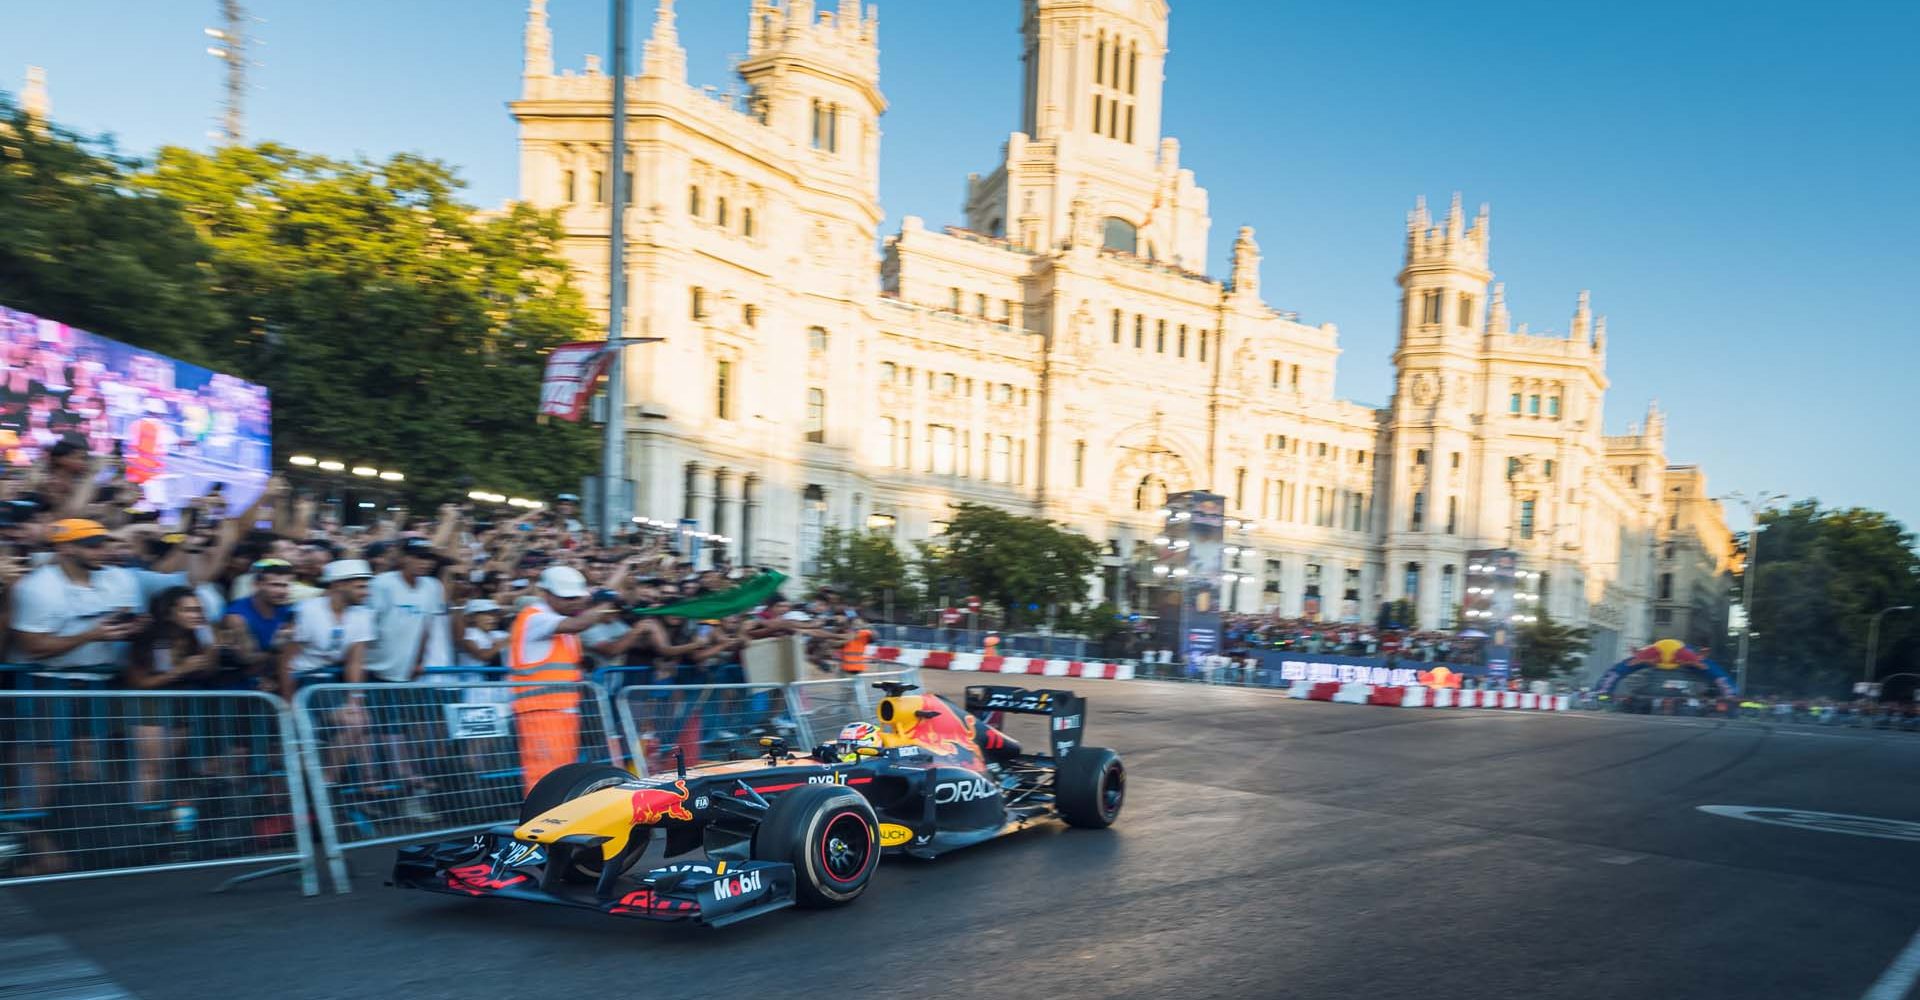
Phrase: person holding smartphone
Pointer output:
(76, 613)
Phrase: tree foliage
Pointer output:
(79, 244)
(865, 565)
(1546, 649)
(1821, 576)
(394, 324)
(1020, 564)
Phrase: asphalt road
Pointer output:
(1267, 848)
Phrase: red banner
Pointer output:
(572, 370)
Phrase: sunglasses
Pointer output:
(92, 542)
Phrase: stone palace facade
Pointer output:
(1065, 351)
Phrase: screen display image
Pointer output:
(180, 428)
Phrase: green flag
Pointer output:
(732, 601)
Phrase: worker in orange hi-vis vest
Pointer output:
(854, 657)
(543, 648)
(993, 644)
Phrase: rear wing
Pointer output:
(1067, 710)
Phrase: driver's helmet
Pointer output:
(860, 734)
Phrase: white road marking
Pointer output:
(44, 966)
(1821, 822)
(1898, 980)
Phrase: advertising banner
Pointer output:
(572, 370)
(180, 429)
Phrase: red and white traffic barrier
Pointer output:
(938, 659)
(1345, 692)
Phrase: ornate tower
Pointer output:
(1432, 500)
(1094, 68)
(815, 78)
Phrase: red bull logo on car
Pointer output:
(651, 805)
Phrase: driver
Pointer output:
(854, 736)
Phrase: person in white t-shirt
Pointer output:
(75, 613)
(331, 632)
(408, 604)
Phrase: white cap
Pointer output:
(480, 604)
(346, 569)
(563, 581)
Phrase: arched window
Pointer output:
(1119, 234)
(720, 210)
(746, 222)
(693, 200)
(1151, 494)
(816, 416)
(816, 340)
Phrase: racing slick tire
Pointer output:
(1089, 787)
(568, 782)
(830, 836)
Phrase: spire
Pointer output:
(1600, 335)
(1497, 312)
(33, 99)
(1456, 226)
(539, 41)
(663, 55)
(1246, 263)
(1656, 419)
(1582, 318)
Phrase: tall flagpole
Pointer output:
(613, 477)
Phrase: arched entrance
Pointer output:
(1668, 655)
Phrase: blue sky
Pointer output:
(1734, 181)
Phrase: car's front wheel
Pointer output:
(564, 784)
(829, 835)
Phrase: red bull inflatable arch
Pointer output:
(1667, 654)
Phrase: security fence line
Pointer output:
(395, 763)
(96, 783)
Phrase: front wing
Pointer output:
(494, 865)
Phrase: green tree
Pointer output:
(866, 565)
(393, 323)
(1821, 577)
(79, 244)
(1018, 563)
(1546, 649)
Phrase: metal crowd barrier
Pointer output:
(704, 722)
(392, 763)
(823, 707)
(99, 782)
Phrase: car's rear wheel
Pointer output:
(1089, 787)
(564, 784)
(829, 835)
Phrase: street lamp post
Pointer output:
(1755, 507)
(1873, 639)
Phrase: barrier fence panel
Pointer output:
(824, 706)
(102, 782)
(391, 763)
(706, 722)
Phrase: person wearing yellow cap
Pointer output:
(76, 612)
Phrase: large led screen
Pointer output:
(179, 428)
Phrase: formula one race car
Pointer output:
(784, 828)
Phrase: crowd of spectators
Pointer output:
(97, 593)
(1244, 633)
(273, 595)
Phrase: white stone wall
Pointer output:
(969, 365)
